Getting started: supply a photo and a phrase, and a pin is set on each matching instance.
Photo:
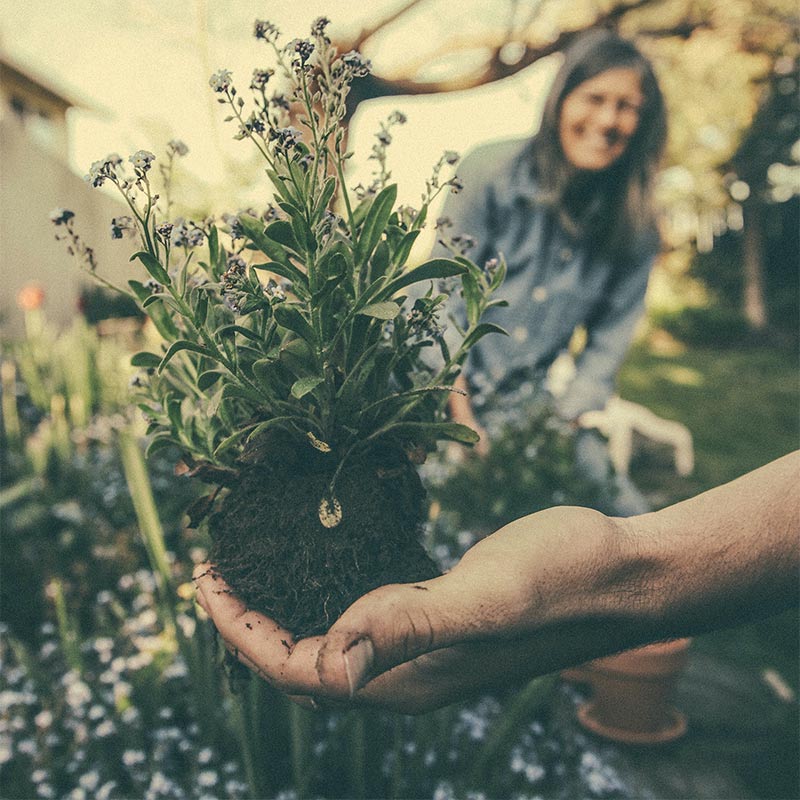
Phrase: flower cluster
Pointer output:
(122, 226)
(422, 320)
(103, 169)
(184, 233)
(108, 730)
(310, 283)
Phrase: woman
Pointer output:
(570, 212)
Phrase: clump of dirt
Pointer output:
(270, 547)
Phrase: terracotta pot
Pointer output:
(632, 694)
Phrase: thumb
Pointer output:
(386, 627)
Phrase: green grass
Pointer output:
(742, 407)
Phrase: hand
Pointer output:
(415, 647)
(547, 591)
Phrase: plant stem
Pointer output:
(66, 630)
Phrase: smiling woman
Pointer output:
(570, 211)
(599, 118)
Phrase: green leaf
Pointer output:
(153, 266)
(302, 386)
(201, 309)
(298, 358)
(384, 310)
(185, 344)
(281, 232)
(324, 198)
(145, 359)
(255, 232)
(160, 316)
(436, 268)
(432, 431)
(231, 440)
(299, 279)
(379, 261)
(267, 372)
(207, 379)
(480, 332)
(158, 443)
(213, 245)
(289, 316)
(263, 426)
(375, 223)
(303, 235)
(154, 298)
(472, 298)
(230, 330)
(403, 249)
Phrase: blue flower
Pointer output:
(266, 30)
(61, 216)
(220, 81)
(141, 160)
(359, 66)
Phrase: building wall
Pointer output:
(42, 113)
(32, 183)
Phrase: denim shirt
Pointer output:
(553, 284)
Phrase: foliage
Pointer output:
(511, 481)
(301, 326)
(67, 515)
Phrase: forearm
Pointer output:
(726, 556)
(597, 584)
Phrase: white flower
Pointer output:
(220, 81)
(534, 772)
(132, 758)
(142, 159)
(96, 712)
(139, 661)
(27, 747)
(78, 694)
(106, 728)
(187, 625)
(39, 775)
(207, 778)
(45, 790)
(47, 649)
(205, 755)
(105, 790)
(5, 749)
(44, 719)
(122, 691)
(15, 675)
(90, 780)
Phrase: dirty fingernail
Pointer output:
(358, 660)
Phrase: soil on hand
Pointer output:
(270, 547)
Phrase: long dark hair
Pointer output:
(611, 209)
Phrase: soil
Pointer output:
(270, 547)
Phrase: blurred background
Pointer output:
(95, 555)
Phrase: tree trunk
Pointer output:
(755, 307)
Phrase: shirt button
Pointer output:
(539, 294)
(565, 254)
(519, 334)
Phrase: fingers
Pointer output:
(452, 674)
(257, 640)
(389, 626)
